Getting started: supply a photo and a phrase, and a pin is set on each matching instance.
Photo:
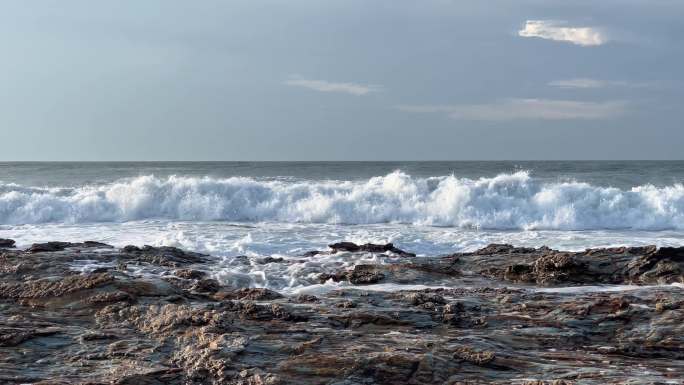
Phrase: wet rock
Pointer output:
(421, 298)
(358, 319)
(10, 336)
(360, 275)
(346, 304)
(473, 356)
(337, 277)
(253, 311)
(45, 288)
(306, 298)
(391, 368)
(368, 248)
(497, 248)
(675, 254)
(307, 345)
(558, 268)
(110, 297)
(520, 273)
(96, 336)
(171, 376)
(267, 260)
(6, 243)
(312, 253)
(249, 377)
(59, 246)
(48, 246)
(131, 249)
(95, 244)
(206, 286)
(162, 321)
(163, 256)
(664, 265)
(189, 274)
(364, 275)
(452, 313)
(624, 265)
(252, 294)
(669, 305)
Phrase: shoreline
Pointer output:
(153, 315)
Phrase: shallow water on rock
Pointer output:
(257, 241)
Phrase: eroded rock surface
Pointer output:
(500, 315)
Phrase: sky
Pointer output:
(341, 80)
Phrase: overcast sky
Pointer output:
(341, 80)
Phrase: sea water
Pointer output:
(283, 209)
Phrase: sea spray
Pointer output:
(515, 201)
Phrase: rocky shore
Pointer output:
(500, 315)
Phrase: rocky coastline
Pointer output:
(500, 315)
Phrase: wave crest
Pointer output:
(507, 201)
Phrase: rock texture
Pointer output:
(501, 315)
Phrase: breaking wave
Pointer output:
(507, 201)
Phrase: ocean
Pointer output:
(283, 209)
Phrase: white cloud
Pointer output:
(579, 83)
(526, 109)
(594, 83)
(326, 86)
(559, 31)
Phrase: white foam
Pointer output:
(602, 288)
(507, 201)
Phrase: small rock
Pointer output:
(206, 286)
(189, 274)
(473, 356)
(264, 261)
(369, 248)
(346, 305)
(252, 294)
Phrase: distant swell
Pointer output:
(507, 201)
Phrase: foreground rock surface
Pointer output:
(500, 315)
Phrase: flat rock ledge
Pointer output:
(500, 315)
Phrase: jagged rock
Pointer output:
(557, 268)
(162, 321)
(623, 265)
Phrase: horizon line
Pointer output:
(341, 161)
